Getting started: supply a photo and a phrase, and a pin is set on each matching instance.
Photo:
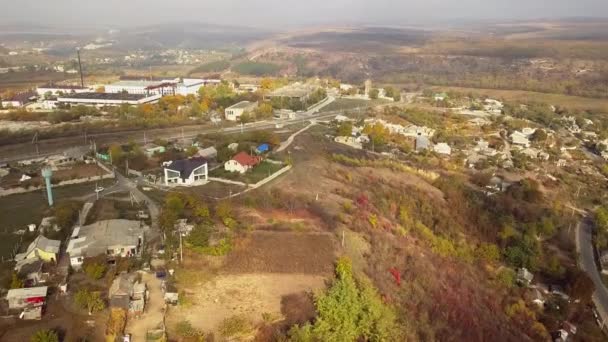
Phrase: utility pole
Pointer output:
(80, 67)
(35, 142)
(127, 167)
(181, 248)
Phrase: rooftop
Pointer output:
(137, 83)
(61, 86)
(186, 166)
(105, 96)
(29, 292)
(42, 243)
(241, 105)
(245, 159)
(96, 238)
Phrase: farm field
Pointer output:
(571, 102)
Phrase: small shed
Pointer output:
(171, 293)
(208, 153)
(263, 148)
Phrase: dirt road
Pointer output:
(153, 316)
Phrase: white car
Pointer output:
(99, 189)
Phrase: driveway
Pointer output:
(584, 247)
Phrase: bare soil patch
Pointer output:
(250, 295)
(283, 252)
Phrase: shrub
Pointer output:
(234, 326)
(117, 322)
(185, 329)
(95, 270)
(16, 282)
(45, 335)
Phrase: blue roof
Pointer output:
(263, 148)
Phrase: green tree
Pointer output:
(345, 129)
(199, 236)
(116, 153)
(350, 311)
(45, 335)
(373, 94)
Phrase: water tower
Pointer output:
(47, 172)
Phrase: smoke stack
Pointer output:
(80, 68)
(47, 172)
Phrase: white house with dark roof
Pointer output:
(186, 172)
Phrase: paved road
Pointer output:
(23, 151)
(584, 247)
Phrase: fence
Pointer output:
(21, 190)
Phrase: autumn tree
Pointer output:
(91, 301)
(264, 111)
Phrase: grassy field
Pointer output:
(570, 102)
(253, 176)
(17, 211)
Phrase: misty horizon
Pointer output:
(277, 15)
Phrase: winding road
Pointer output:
(584, 247)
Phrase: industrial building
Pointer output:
(107, 99)
(58, 89)
(164, 87)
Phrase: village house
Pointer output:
(68, 157)
(350, 141)
(40, 249)
(241, 163)
(442, 148)
(128, 293)
(519, 138)
(186, 172)
(234, 112)
(422, 143)
(32, 273)
(113, 238)
(30, 300)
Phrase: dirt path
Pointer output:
(153, 314)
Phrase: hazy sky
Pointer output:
(280, 13)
